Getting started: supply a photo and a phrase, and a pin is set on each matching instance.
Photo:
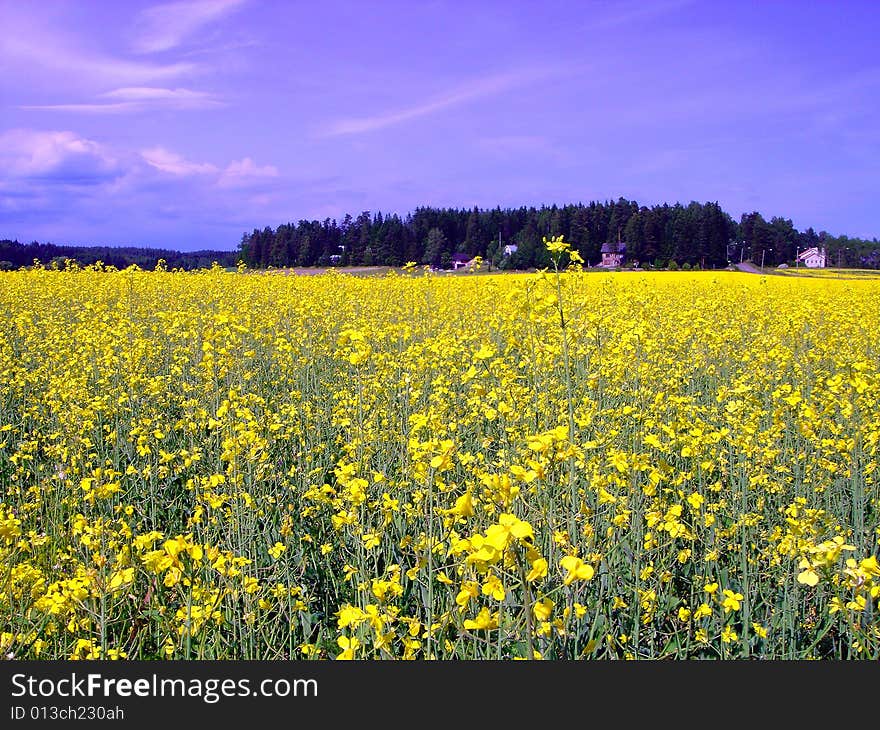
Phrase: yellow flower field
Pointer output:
(234, 465)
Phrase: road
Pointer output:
(749, 267)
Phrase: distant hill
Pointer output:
(14, 255)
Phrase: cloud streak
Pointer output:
(475, 89)
(164, 27)
(137, 99)
(635, 12)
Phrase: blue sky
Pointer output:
(184, 124)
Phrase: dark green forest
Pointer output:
(663, 236)
(698, 234)
(14, 255)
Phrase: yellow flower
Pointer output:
(808, 577)
(731, 601)
(464, 506)
(276, 550)
(349, 616)
(348, 646)
(556, 245)
(576, 569)
(469, 589)
(485, 352)
(121, 578)
(494, 588)
(543, 609)
(483, 622)
(539, 570)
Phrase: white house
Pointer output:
(509, 249)
(813, 258)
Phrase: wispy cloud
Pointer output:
(137, 99)
(474, 89)
(163, 27)
(51, 44)
(151, 93)
(37, 47)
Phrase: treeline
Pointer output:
(14, 255)
(698, 234)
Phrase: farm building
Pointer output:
(460, 260)
(813, 258)
(613, 253)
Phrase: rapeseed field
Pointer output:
(559, 465)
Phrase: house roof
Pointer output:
(814, 251)
(613, 247)
(461, 257)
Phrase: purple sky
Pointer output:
(185, 124)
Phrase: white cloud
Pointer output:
(62, 155)
(175, 164)
(163, 27)
(60, 183)
(237, 174)
(245, 172)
